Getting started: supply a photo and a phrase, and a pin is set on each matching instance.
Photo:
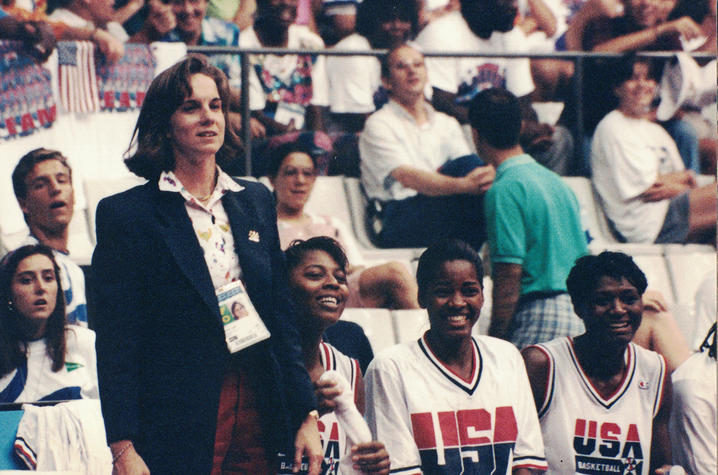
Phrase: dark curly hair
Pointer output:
(298, 249)
(444, 251)
(151, 137)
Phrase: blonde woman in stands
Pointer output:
(318, 281)
(292, 172)
(181, 392)
(41, 357)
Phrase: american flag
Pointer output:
(78, 83)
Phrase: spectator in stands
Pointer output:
(534, 229)
(488, 26)
(638, 173)
(42, 182)
(318, 280)
(632, 25)
(438, 400)
(165, 251)
(287, 92)
(239, 12)
(355, 89)
(108, 45)
(601, 398)
(41, 358)
(97, 14)
(403, 147)
(292, 172)
(693, 417)
(336, 19)
(37, 36)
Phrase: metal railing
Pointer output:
(577, 57)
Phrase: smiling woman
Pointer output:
(599, 382)
(421, 394)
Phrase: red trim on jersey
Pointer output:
(548, 391)
(626, 379)
(531, 466)
(474, 362)
(661, 390)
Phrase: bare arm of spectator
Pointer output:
(505, 296)
(435, 184)
(590, 11)
(160, 21)
(111, 47)
(125, 13)
(541, 18)
(683, 26)
(669, 185)
(244, 17)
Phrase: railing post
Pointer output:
(246, 130)
(578, 95)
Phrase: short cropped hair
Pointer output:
(372, 13)
(444, 251)
(27, 163)
(299, 248)
(278, 154)
(496, 115)
(384, 60)
(588, 270)
(166, 93)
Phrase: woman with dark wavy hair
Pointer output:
(41, 359)
(184, 390)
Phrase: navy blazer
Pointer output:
(161, 352)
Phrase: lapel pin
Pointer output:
(253, 236)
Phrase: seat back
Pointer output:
(376, 323)
(95, 190)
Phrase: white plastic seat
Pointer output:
(376, 323)
(592, 218)
(95, 190)
(688, 265)
(409, 325)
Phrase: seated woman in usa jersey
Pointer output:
(318, 280)
(450, 403)
(603, 401)
(41, 358)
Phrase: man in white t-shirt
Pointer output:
(405, 150)
(638, 173)
(42, 181)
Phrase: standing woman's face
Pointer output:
(197, 126)
(33, 290)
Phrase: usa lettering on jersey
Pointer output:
(606, 448)
(331, 447)
(471, 441)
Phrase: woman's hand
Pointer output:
(308, 444)
(325, 392)
(371, 457)
(126, 461)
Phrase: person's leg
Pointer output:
(417, 221)
(686, 138)
(702, 214)
(388, 285)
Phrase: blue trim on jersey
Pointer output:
(64, 394)
(17, 384)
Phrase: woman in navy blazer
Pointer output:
(163, 365)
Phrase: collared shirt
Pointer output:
(392, 138)
(211, 225)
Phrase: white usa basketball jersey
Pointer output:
(586, 433)
(334, 440)
(434, 422)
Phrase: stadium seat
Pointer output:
(687, 266)
(410, 324)
(593, 220)
(95, 190)
(376, 323)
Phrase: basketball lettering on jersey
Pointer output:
(607, 448)
(468, 441)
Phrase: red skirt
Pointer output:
(238, 447)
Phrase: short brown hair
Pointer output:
(27, 163)
(153, 154)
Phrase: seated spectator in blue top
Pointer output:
(41, 358)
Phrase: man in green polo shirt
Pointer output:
(534, 230)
